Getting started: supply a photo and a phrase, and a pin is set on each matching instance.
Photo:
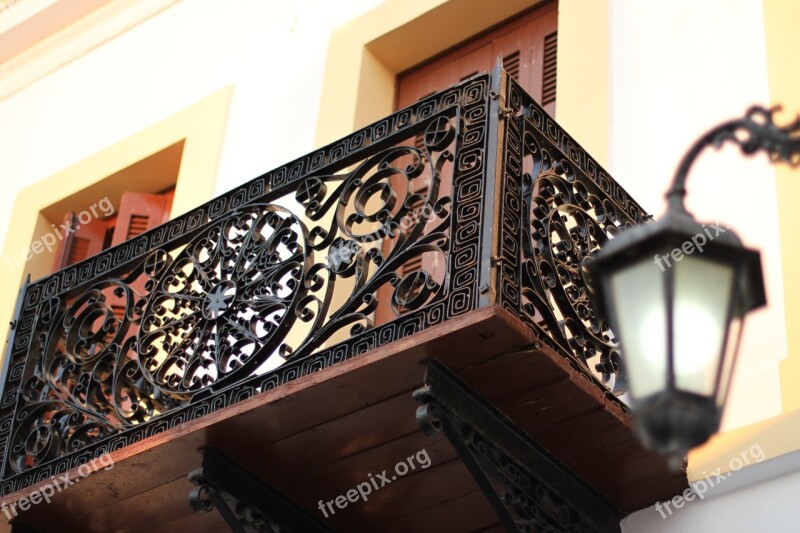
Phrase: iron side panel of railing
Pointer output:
(557, 206)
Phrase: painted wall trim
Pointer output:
(70, 43)
(777, 437)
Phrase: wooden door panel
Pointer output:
(468, 65)
(526, 35)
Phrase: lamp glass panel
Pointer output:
(640, 314)
(702, 294)
(731, 348)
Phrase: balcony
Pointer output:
(282, 324)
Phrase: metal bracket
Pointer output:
(529, 489)
(246, 503)
(505, 112)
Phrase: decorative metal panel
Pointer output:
(557, 207)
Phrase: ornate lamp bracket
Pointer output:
(753, 132)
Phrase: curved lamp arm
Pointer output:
(755, 131)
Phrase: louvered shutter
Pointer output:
(74, 246)
(549, 72)
(138, 213)
(527, 45)
(511, 63)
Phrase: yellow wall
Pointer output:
(782, 19)
(197, 130)
(583, 73)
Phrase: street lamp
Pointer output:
(676, 292)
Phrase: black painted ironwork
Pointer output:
(529, 489)
(569, 206)
(246, 503)
(281, 276)
(753, 132)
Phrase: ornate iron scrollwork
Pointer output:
(225, 304)
(568, 206)
(284, 276)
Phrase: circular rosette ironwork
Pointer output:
(226, 303)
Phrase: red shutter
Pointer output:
(86, 241)
(138, 213)
(527, 46)
(549, 61)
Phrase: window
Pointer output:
(137, 213)
(116, 208)
(527, 45)
(180, 151)
(117, 213)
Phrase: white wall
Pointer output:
(273, 53)
(757, 498)
(677, 69)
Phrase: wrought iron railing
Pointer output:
(569, 206)
(283, 275)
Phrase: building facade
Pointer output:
(193, 98)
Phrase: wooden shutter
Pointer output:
(549, 61)
(527, 46)
(139, 212)
(86, 241)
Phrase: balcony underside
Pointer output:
(322, 434)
